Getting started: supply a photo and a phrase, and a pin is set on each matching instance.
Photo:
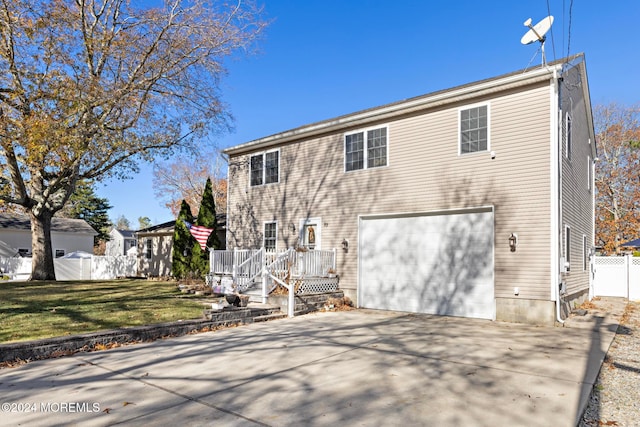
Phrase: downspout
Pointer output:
(558, 150)
(592, 252)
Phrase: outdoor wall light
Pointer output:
(345, 245)
(513, 242)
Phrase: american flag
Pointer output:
(200, 233)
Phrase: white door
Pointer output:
(311, 233)
(437, 264)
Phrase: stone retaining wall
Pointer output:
(304, 303)
(61, 346)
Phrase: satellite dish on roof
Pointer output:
(537, 33)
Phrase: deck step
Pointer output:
(267, 317)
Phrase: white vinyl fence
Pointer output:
(617, 276)
(94, 268)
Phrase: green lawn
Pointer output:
(34, 310)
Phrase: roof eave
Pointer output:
(390, 111)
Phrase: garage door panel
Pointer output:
(440, 264)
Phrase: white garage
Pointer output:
(436, 263)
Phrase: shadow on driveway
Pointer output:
(356, 367)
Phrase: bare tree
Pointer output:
(89, 88)
(184, 178)
(617, 175)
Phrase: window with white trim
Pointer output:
(567, 246)
(568, 136)
(366, 149)
(589, 172)
(585, 253)
(270, 236)
(474, 129)
(148, 248)
(265, 168)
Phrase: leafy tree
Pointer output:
(144, 222)
(122, 223)
(85, 204)
(207, 215)
(206, 218)
(89, 88)
(617, 175)
(183, 178)
(182, 243)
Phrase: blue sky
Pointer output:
(321, 59)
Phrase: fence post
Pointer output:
(628, 263)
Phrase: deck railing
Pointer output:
(223, 261)
(284, 268)
(310, 263)
(314, 263)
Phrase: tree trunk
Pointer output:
(42, 261)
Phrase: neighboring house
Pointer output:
(121, 243)
(474, 201)
(155, 247)
(67, 235)
(635, 244)
(7, 251)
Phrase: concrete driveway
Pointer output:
(361, 367)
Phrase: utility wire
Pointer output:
(553, 43)
(569, 33)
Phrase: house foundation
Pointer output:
(518, 310)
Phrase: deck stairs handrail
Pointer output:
(245, 274)
(280, 273)
(246, 266)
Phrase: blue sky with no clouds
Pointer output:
(321, 59)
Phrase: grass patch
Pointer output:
(35, 310)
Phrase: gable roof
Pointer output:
(464, 92)
(159, 228)
(127, 234)
(632, 244)
(58, 225)
(167, 227)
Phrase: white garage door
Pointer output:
(437, 264)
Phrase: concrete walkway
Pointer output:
(363, 368)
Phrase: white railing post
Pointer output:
(233, 265)
(265, 275)
(334, 261)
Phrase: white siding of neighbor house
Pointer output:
(69, 242)
(118, 245)
(425, 173)
(159, 265)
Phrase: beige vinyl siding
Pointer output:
(161, 254)
(425, 173)
(577, 202)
